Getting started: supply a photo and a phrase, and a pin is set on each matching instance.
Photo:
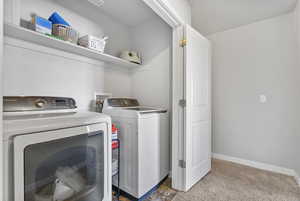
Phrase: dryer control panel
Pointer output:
(36, 103)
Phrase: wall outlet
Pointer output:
(263, 98)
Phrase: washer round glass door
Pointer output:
(63, 169)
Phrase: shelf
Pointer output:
(44, 40)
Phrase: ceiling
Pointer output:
(211, 16)
(129, 12)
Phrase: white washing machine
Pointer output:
(53, 152)
(144, 136)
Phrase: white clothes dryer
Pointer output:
(53, 152)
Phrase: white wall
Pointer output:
(28, 72)
(183, 9)
(151, 83)
(259, 58)
(297, 17)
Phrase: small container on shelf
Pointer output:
(116, 154)
(93, 43)
(114, 132)
(65, 32)
(55, 18)
(41, 25)
(62, 29)
(114, 144)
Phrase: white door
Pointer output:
(197, 111)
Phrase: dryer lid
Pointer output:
(26, 124)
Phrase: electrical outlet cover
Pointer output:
(263, 98)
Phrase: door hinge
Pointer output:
(182, 103)
(182, 43)
(182, 163)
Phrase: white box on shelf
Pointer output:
(93, 42)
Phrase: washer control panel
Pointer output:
(36, 103)
(122, 102)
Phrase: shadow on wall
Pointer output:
(151, 83)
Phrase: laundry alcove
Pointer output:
(38, 64)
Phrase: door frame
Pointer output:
(170, 16)
(1, 97)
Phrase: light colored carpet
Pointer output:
(232, 182)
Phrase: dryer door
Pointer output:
(67, 164)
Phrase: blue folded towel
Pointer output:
(55, 18)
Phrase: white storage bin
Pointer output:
(93, 42)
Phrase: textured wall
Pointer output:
(256, 59)
(151, 83)
(297, 17)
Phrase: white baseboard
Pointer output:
(297, 177)
(258, 165)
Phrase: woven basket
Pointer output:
(66, 33)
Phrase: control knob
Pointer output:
(40, 103)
